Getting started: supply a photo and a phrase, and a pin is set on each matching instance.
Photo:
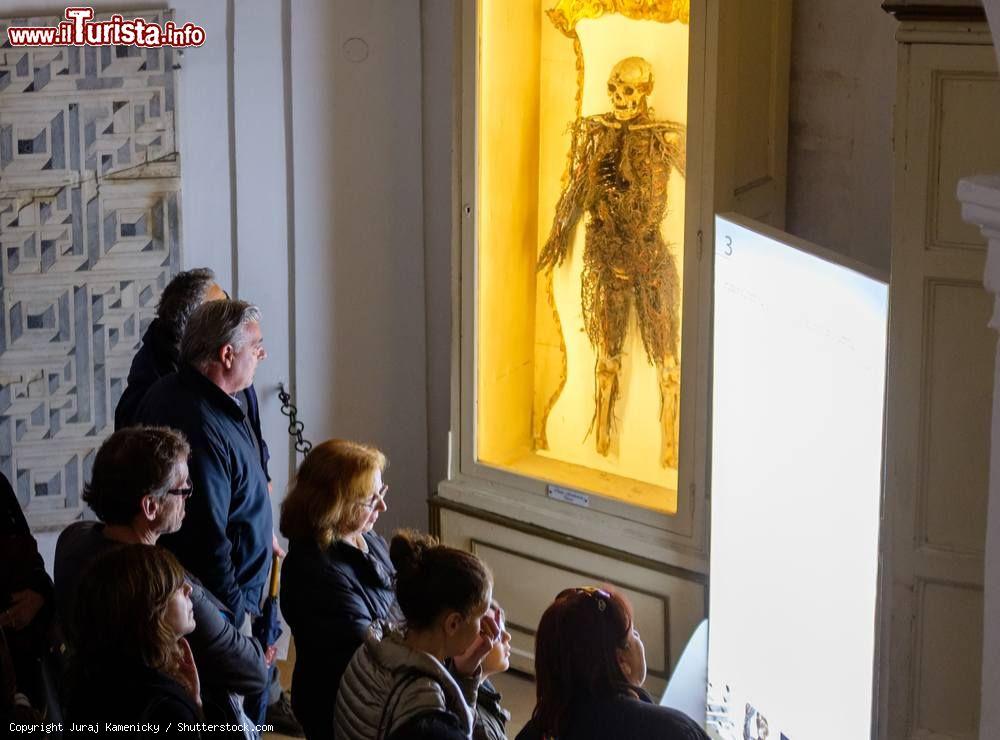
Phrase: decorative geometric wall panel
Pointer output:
(89, 235)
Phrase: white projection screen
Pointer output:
(796, 480)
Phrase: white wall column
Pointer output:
(359, 303)
(260, 271)
(980, 197)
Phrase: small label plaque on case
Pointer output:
(569, 497)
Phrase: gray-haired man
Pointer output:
(227, 537)
(160, 352)
(226, 540)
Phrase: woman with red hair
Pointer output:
(338, 577)
(590, 664)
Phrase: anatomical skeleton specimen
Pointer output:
(620, 167)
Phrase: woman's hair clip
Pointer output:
(599, 595)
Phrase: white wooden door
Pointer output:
(941, 355)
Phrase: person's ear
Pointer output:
(227, 355)
(150, 506)
(623, 663)
(452, 623)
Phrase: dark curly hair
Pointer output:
(133, 463)
(180, 298)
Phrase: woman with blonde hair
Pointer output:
(132, 663)
(337, 578)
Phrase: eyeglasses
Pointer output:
(256, 350)
(377, 498)
(185, 492)
(599, 595)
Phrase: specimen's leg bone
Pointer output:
(608, 369)
(670, 386)
(607, 301)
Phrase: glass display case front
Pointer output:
(581, 130)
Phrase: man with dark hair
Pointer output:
(138, 490)
(159, 354)
(228, 538)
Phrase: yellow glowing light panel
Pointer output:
(582, 111)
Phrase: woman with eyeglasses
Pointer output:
(590, 665)
(337, 577)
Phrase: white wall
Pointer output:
(840, 130)
(438, 28)
(203, 136)
(359, 262)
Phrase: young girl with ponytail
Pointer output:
(420, 679)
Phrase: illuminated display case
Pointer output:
(580, 224)
(595, 141)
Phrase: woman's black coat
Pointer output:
(626, 715)
(329, 597)
(130, 694)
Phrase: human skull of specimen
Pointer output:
(630, 82)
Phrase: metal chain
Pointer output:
(295, 427)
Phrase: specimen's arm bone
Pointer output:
(679, 153)
(673, 140)
(569, 209)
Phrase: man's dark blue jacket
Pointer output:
(225, 539)
(156, 358)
